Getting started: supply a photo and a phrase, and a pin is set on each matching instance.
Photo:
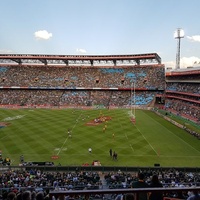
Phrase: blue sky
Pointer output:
(101, 27)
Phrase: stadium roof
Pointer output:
(28, 59)
(186, 71)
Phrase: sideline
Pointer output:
(175, 134)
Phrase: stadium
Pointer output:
(98, 113)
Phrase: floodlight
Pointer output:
(178, 34)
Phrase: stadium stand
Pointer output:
(183, 93)
(71, 85)
(61, 81)
(36, 181)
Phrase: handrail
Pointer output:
(86, 193)
(102, 169)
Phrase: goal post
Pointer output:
(132, 113)
(132, 118)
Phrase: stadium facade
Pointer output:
(105, 81)
(98, 81)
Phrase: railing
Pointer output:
(88, 194)
(102, 169)
(106, 194)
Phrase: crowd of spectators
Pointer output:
(80, 86)
(35, 182)
(88, 77)
(155, 178)
(168, 178)
(191, 88)
(186, 109)
(30, 97)
(183, 96)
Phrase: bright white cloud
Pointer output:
(184, 62)
(81, 50)
(188, 62)
(43, 35)
(194, 38)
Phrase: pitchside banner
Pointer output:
(174, 122)
(170, 120)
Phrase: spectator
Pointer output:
(140, 183)
(11, 196)
(155, 183)
(194, 196)
(40, 196)
(26, 195)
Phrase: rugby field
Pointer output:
(39, 134)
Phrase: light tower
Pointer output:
(178, 34)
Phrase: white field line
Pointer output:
(122, 127)
(131, 147)
(68, 136)
(174, 134)
(147, 141)
(4, 137)
(129, 114)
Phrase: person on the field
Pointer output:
(90, 150)
(110, 152)
(21, 159)
(69, 133)
(114, 155)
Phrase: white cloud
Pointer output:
(188, 62)
(184, 62)
(6, 51)
(81, 51)
(43, 35)
(194, 38)
(169, 64)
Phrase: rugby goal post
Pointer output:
(133, 118)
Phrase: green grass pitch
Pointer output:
(38, 134)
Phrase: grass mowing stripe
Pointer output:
(147, 140)
(174, 134)
(41, 133)
(135, 125)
